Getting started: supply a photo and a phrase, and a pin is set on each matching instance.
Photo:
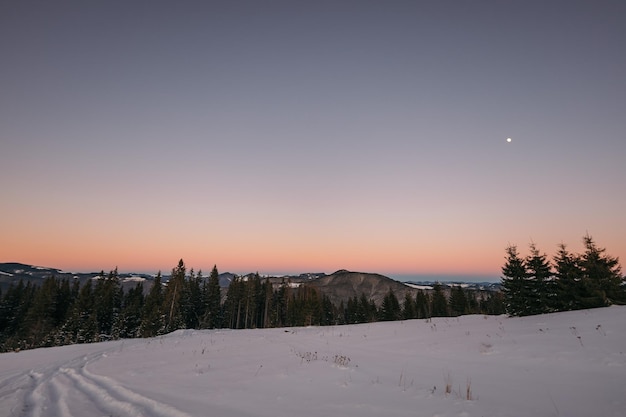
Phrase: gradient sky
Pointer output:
(299, 136)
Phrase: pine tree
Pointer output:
(262, 296)
(306, 307)
(540, 292)
(107, 296)
(82, 324)
(128, 323)
(64, 302)
(514, 283)
(352, 311)
(175, 298)
(493, 304)
(234, 305)
(328, 312)
(366, 310)
(268, 293)
(422, 305)
(473, 303)
(601, 276)
(569, 280)
(439, 303)
(390, 309)
(13, 307)
(153, 316)
(212, 294)
(408, 307)
(40, 317)
(281, 304)
(458, 301)
(252, 290)
(192, 306)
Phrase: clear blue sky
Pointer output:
(293, 136)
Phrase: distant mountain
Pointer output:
(13, 272)
(294, 280)
(338, 286)
(476, 286)
(343, 285)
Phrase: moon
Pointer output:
(509, 140)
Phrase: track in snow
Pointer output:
(71, 390)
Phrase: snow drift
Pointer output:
(564, 364)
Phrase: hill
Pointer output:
(13, 272)
(563, 364)
(343, 285)
(338, 286)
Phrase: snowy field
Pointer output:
(565, 364)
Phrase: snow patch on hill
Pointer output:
(134, 279)
(418, 287)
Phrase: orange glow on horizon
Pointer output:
(271, 258)
(137, 250)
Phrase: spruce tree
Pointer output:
(175, 298)
(352, 311)
(213, 298)
(128, 323)
(281, 304)
(10, 312)
(408, 307)
(458, 301)
(268, 292)
(514, 283)
(422, 305)
(540, 292)
(108, 301)
(568, 276)
(82, 324)
(153, 316)
(390, 309)
(192, 305)
(366, 310)
(328, 312)
(601, 276)
(493, 304)
(439, 303)
(251, 301)
(233, 305)
(40, 318)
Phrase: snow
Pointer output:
(565, 364)
(419, 287)
(6, 273)
(134, 279)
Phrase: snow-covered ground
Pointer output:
(565, 364)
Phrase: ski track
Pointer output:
(53, 391)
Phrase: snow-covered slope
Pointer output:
(566, 364)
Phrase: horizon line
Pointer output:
(401, 276)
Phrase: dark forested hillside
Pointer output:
(59, 309)
(343, 285)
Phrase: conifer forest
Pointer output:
(61, 312)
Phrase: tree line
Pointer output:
(60, 312)
(534, 285)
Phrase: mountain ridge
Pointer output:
(339, 286)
